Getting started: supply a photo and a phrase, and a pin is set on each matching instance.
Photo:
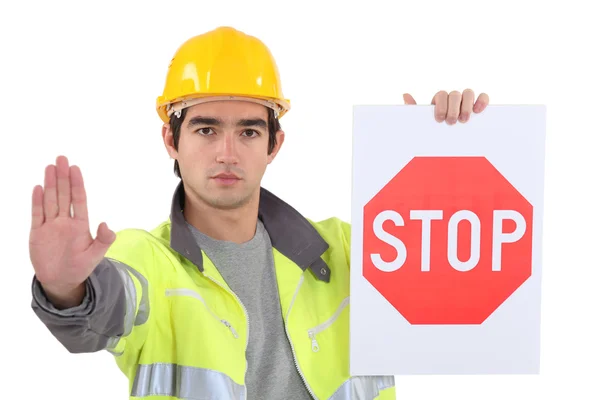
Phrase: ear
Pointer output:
(167, 135)
(280, 136)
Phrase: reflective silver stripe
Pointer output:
(113, 342)
(363, 387)
(184, 382)
(144, 308)
(131, 318)
(131, 299)
(110, 345)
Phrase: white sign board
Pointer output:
(446, 241)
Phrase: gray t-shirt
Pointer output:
(249, 271)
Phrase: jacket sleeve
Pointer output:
(116, 301)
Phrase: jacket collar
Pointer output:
(291, 234)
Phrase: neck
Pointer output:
(236, 225)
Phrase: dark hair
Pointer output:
(273, 126)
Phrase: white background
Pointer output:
(382, 342)
(90, 72)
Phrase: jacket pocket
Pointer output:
(313, 332)
(191, 293)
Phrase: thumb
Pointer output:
(104, 238)
(408, 99)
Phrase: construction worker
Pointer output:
(236, 295)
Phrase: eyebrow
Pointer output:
(246, 123)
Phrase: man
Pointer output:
(236, 295)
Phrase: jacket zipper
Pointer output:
(290, 340)
(320, 328)
(192, 293)
(247, 326)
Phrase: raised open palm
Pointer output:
(61, 247)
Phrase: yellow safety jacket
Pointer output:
(184, 332)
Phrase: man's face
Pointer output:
(223, 151)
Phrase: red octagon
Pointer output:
(447, 240)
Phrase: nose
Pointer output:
(227, 153)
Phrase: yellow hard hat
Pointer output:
(221, 64)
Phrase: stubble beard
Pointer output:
(225, 200)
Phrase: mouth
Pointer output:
(226, 179)
(226, 176)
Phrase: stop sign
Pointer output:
(447, 240)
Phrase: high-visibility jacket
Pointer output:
(178, 331)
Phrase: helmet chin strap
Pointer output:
(176, 108)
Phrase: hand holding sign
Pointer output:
(454, 106)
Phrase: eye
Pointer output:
(251, 132)
(204, 131)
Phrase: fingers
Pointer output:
(37, 207)
(50, 195)
(482, 102)
(57, 190)
(466, 107)
(105, 235)
(104, 238)
(454, 101)
(63, 186)
(441, 105)
(455, 106)
(78, 194)
(408, 99)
